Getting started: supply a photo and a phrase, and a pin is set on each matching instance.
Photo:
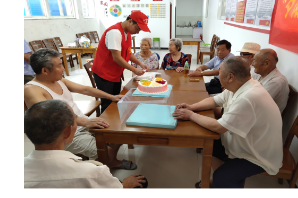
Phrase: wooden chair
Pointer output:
(35, 45)
(59, 43)
(89, 37)
(50, 44)
(289, 169)
(292, 96)
(87, 67)
(207, 45)
(210, 52)
(96, 36)
(93, 37)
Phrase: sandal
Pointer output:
(127, 165)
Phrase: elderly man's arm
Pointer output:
(27, 57)
(205, 104)
(208, 123)
(32, 96)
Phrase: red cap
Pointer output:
(141, 19)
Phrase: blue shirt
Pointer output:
(215, 62)
(27, 68)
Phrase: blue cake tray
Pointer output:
(153, 115)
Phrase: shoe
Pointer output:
(127, 165)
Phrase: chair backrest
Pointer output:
(213, 47)
(157, 55)
(96, 36)
(37, 44)
(50, 44)
(87, 67)
(91, 34)
(293, 132)
(58, 42)
(189, 59)
(78, 35)
(88, 36)
(292, 96)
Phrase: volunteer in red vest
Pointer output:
(113, 54)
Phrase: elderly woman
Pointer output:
(146, 56)
(174, 60)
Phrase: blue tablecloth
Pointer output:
(165, 94)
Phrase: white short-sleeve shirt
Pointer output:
(113, 39)
(57, 169)
(254, 126)
(277, 86)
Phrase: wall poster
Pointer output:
(240, 11)
(228, 9)
(250, 11)
(264, 12)
(233, 10)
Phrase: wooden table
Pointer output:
(186, 134)
(78, 50)
(193, 41)
(180, 81)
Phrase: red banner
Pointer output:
(250, 21)
(232, 19)
(240, 11)
(284, 25)
(264, 22)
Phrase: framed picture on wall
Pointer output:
(137, 5)
(124, 5)
(133, 5)
(142, 5)
(206, 8)
(147, 5)
(128, 5)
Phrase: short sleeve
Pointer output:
(105, 179)
(210, 64)
(26, 48)
(113, 40)
(221, 98)
(274, 88)
(240, 118)
(155, 61)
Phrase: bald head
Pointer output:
(268, 54)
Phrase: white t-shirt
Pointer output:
(277, 86)
(254, 126)
(57, 169)
(113, 39)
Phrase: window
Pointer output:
(88, 8)
(221, 12)
(48, 9)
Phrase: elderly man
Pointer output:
(50, 125)
(250, 128)
(267, 74)
(49, 84)
(223, 51)
(249, 50)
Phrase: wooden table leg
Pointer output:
(80, 60)
(102, 149)
(65, 63)
(198, 52)
(206, 163)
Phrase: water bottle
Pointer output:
(186, 67)
(199, 24)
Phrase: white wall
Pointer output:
(189, 11)
(287, 65)
(159, 27)
(66, 29)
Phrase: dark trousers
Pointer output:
(112, 88)
(233, 172)
(213, 86)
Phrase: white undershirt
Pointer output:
(113, 39)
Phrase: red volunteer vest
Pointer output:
(104, 65)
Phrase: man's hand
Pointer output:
(182, 114)
(116, 98)
(179, 69)
(97, 122)
(133, 181)
(138, 71)
(195, 74)
(183, 106)
(146, 67)
(199, 69)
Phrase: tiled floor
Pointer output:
(164, 167)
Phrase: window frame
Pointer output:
(87, 4)
(221, 4)
(46, 10)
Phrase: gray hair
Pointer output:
(269, 54)
(237, 65)
(148, 40)
(43, 58)
(45, 121)
(178, 43)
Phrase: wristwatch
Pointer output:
(202, 73)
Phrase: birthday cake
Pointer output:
(158, 85)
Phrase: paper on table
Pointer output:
(146, 75)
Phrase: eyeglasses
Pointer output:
(245, 54)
